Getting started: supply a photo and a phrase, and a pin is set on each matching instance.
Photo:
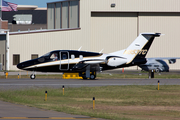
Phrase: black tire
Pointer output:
(32, 76)
(92, 76)
(157, 70)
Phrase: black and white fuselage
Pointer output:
(82, 61)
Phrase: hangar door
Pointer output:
(168, 24)
(112, 31)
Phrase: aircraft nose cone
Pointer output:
(20, 65)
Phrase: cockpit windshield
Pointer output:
(47, 54)
(51, 56)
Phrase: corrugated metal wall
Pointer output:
(112, 31)
(41, 43)
(168, 24)
(135, 5)
(109, 31)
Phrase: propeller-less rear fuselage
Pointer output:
(87, 63)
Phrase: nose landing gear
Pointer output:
(33, 76)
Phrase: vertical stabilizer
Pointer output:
(140, 46)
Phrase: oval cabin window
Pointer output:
(81, 57)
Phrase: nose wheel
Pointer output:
(32, 76)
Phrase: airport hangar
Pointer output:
(95, 25)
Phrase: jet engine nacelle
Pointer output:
(172, 61)
(114, 61)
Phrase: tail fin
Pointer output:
(140, 46)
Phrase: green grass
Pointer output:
(112, 102)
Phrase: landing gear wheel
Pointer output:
(92, 77)
(32, 76)
(157, 70)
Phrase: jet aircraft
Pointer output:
(158, 64)
(88, 63)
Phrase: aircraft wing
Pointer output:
(93, 61)
(171, 60)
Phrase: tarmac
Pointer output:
(6, 84)
(9, 111)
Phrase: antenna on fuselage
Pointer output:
(101, 51)
(79, 48)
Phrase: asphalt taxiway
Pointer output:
(9, 111)
(58, 83)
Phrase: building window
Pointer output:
(58, 16)
(16, 59)
(73, 14)
(34, 56)
(50, 12)
(63, 14)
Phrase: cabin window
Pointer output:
(64, 56)
(156, 65)
(72, 57)
(34, 56)
(81, 57)
(16, 59)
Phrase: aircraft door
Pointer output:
(64, 60)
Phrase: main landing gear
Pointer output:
(89, 73)
(92, 75)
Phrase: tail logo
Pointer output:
(135, 52)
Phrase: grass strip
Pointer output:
(112, 102)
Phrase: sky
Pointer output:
(39, 3)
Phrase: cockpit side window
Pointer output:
(54, 56)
